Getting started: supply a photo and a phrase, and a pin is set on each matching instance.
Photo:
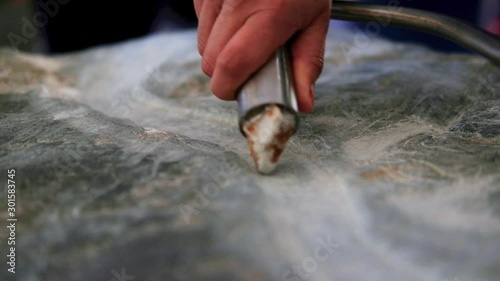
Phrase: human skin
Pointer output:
(237, 37)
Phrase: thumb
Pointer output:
(308, 56)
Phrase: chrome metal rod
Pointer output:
(272, 84)
(458, 31)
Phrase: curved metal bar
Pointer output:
(458, 31)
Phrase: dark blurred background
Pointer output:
(59, 26)
(71, 25)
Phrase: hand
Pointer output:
(237, 37)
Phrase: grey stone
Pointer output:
(129, 169)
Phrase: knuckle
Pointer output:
(216, 6)
(318, 62)
(207, 66)
(230, 6)
(284, 13)
(218, 91)
(202, 43)
(280, 21)
(230, 62)
(314, 59)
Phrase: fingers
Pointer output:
(308, 54)
(207, 15)
(250, 48)
(228, 22)
(237, 37)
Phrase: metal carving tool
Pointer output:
(267, 102)
(268, 111)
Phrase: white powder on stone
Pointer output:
(267, 135)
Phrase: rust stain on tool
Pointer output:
(267, 135)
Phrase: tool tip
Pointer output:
(267, 134)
